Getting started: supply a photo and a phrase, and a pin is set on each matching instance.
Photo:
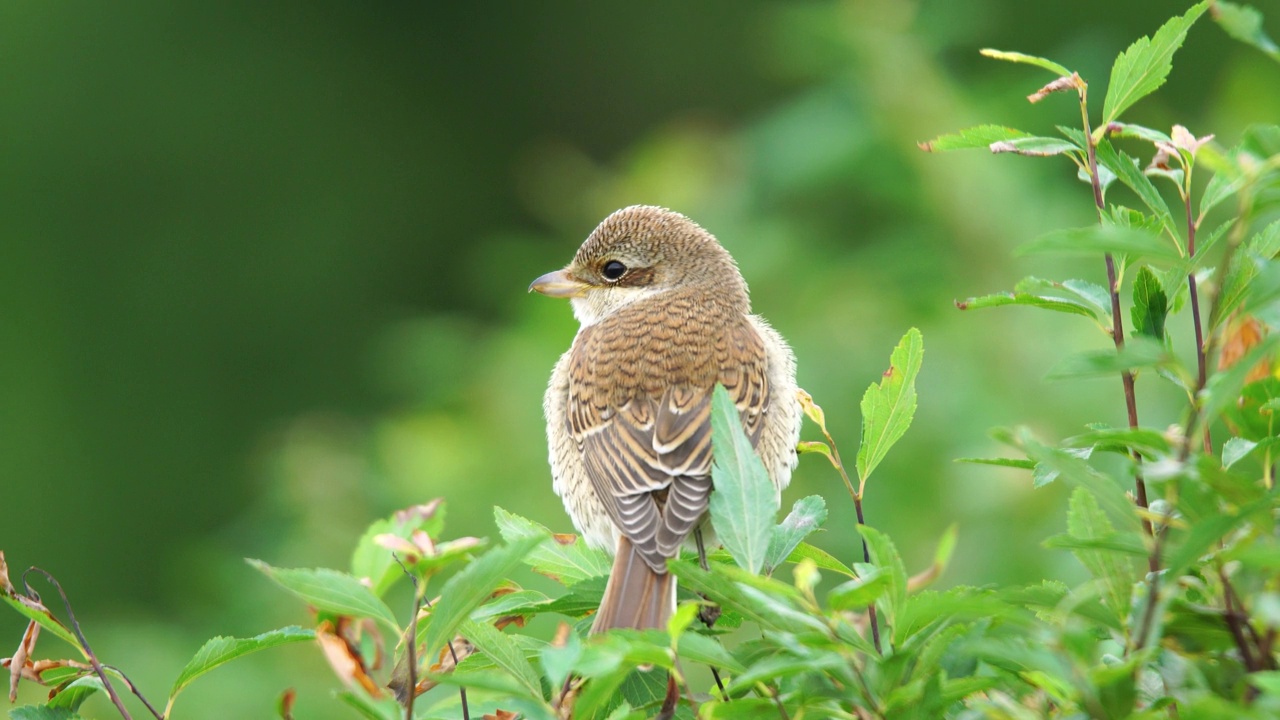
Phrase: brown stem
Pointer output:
(1153, 592)
(412, 650)
(84, 643)
(1117, 320)
(866, 552)
(866, 558)
(1194, 292)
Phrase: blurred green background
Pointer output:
(264, 270)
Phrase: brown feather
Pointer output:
(636, 596)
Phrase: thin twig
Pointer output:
(84, 643)
(857, 506)
(412, 650)
(1194, 292)
(1117, 320)
(134, 689)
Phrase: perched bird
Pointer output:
(664, 316)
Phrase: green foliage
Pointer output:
(888, 408)
(745, 501)
(1142, 68)
(1178, 614)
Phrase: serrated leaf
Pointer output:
(806, 516)
(1096, 239)
(1062, 305)
(1018, 57)
(821, 558)
(707, 650)
(500, 648)
(975, 137)
(1244, 23)
(222, 650)
(1131, 130)
(73, 696)
(1220, 187)
(1150, 305)
(860, 592)
(1144, 66)
(1072, 467)
(43, 712)
(1235, 450)
(466, 590)
(745, 501)
(1127, 170)
(885, 556)
(555, 557)
(330, 590)
(1034, 146)
(1113, 569)
(888, 408)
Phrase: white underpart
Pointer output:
(600, 303)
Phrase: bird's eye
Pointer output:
(613, 270)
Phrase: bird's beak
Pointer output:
(559, 284)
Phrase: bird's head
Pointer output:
(639, 252)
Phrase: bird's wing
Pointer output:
(641, 417)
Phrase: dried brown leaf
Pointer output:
(1242, 334)
(21, 658)
(345, 659)
(1062, 84)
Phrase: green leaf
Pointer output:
(568, 563)
(465, 591)
(1220, 187)
(1205, 534)
(1244, 23)
(1129, 173)
(885, 556)
(1132, 130)
(806, 515)
(505, 654)
(1076, 471)
(1062, 305)
(1138, 352)
(1143, 67)
(222, 650)
(975, 137)
(330, 590)
(1034, 146)
(1018, 57)
(1020, 463)
(888, 408)
(73, 696)
(860, 592)
(745, 501)
(821, 558)
(43, 712)
(558, 662)
(1115, 570)
(1096, 239)
(1235, 449)
(708, 651)
(1150, 305)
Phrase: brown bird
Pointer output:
(664, 316)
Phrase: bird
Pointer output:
(664, 316)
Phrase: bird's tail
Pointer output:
(636, 596)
